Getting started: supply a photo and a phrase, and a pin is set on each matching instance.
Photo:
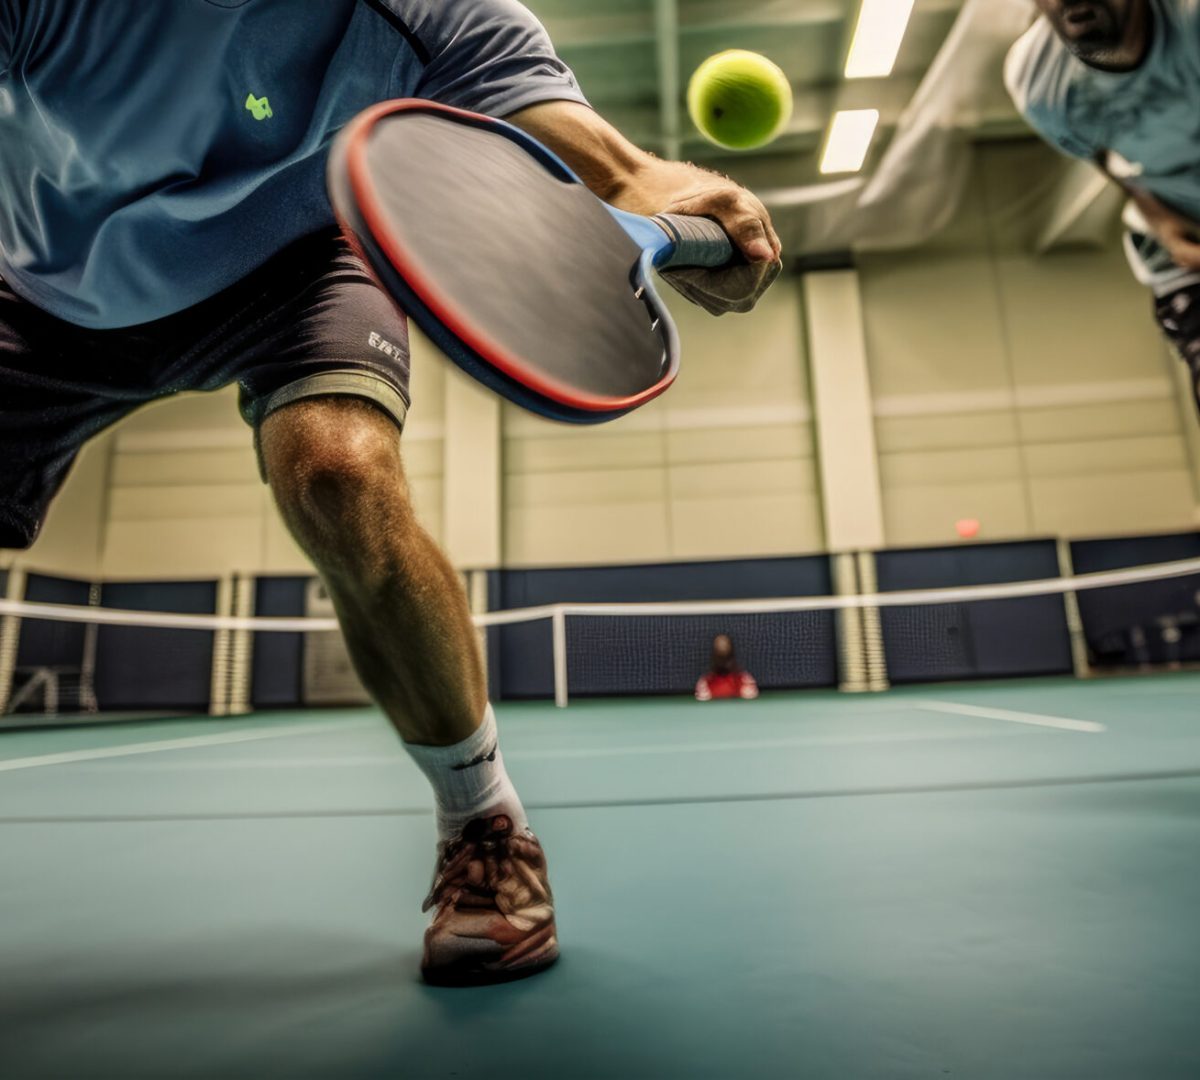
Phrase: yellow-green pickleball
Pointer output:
(739, 99)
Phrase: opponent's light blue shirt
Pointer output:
(1149, 116)
(153, 152)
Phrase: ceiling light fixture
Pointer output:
(849, 139)
(877, 38)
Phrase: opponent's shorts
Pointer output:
(1179, 316)
(308, 323)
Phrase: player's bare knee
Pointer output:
(334, 465)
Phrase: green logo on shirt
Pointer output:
(260, 108)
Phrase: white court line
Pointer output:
(1034, 719)
(772, 744)
(130, 749)
(391, 760)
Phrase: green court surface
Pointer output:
(980, 881)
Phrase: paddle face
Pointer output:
(506, 260)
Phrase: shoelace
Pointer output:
(489, 846)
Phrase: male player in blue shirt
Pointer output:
(1117, 83)
(164, 227)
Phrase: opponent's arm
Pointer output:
(1179, 234)
(634, 180)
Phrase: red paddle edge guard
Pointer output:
(356, 137)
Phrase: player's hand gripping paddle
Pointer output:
(509, 264)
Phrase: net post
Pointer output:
(241, 648)
(10, 636)
(1079, 651)
(87, 665)
(218, 698)
(872, 626)
(558, 625)
(851, 647)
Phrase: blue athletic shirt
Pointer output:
(153, 152)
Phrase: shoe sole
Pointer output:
(476, 976)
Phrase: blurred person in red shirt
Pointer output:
(725, 678)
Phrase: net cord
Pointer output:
(912, 598)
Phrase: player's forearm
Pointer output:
(602, 157)
(634, 180)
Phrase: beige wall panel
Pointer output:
(738, 360)
(753, 526)
(1012, 363)
(557, 535)
(932, 325)
(1107, 421)
(197, 503)
(1104, 504)
(587, 489)
(583, 451)
(1077, 318)
(725, 486)
(427, 382)
(792, 442)
(183, 412)
(953, 467)
(72, 538)
(1110, 457)
(896, 434)
(927, 514)
(180, 549)
(183, 467)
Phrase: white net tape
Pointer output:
(857, 640)
(908, 598)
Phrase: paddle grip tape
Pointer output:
(698, 241)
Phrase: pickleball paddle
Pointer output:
(509, 264)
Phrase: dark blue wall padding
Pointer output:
(638, 655)
(149, 667)
(1110, 614)
(980, 639)
(278, 666)
(45, 642)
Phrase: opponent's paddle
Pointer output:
(509, 264)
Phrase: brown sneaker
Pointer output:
(493, 910)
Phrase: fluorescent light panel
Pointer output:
(881, 26)
(849, 140)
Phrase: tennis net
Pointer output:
(91, 660)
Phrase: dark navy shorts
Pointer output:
(310, 322)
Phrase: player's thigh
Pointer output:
(50, 405)
(327, 385)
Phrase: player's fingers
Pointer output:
(741, 215)
(749, 228)
(750, 235)
(757, 208)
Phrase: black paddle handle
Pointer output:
(699, 241)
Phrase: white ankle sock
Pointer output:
(469, 780)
